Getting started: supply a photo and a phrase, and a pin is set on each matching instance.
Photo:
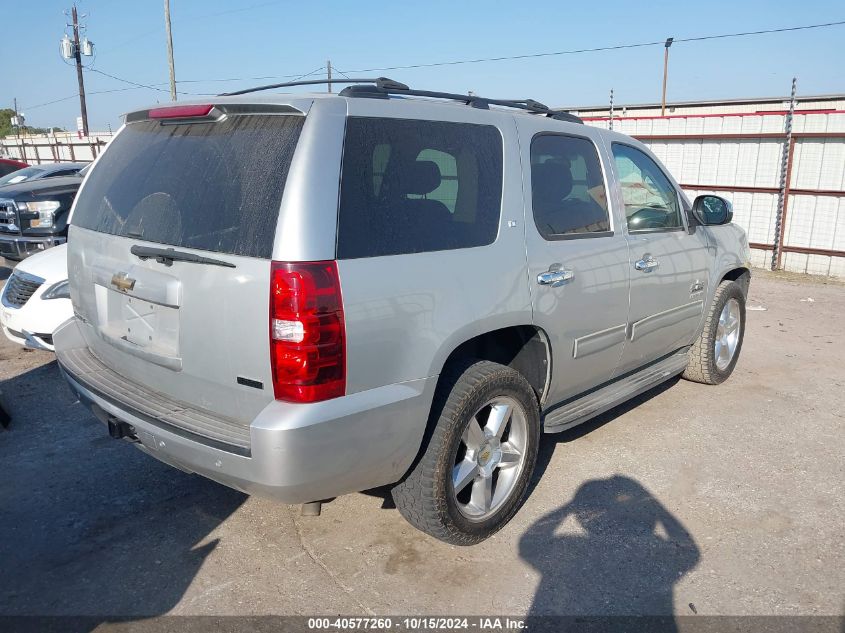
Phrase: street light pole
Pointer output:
(665, 73)
(170, 50)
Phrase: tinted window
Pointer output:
(412, 186)
(64, 172)
(567, 187)
(8, 169)
(210, 186)
(19, 175)
(651, 201)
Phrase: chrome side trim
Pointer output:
(666, 318)
(598, 341)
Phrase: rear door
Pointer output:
(577, 255)
(669, 263)
(191, 323)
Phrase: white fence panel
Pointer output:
(746, 170)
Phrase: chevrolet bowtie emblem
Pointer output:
(122, 282)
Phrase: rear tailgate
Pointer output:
(191, 326)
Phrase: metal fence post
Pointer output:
(783, 186)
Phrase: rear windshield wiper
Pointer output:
(167, 256)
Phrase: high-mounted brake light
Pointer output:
(307, 331)
(180, 112)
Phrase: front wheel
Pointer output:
(474, 472)
(714, 354)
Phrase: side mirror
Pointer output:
(712, 210)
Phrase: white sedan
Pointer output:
(36, 300)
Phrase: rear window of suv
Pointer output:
(411, 186)
(210, 186)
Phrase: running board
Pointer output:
(592, 404)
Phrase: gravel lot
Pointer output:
(713, 500)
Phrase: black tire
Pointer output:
(702, 355)
(426, 497)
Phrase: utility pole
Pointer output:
(329, 73)
(77, 55)
(610, 121)
(170, 50)
(665, 73)
(17, 120)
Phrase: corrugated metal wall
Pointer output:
(738, 155)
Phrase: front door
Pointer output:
(577, 258)
(668, 262)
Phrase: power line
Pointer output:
(213, 80)
(293, 77)
(576, 51)
(126, 81)
(316, 70)
(41, 105)
(74, 96)
(456, 62)
(597, 49)
(135, 86)
(140, 85)
(783, 30)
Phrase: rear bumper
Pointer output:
(20, 247)
(296, 453)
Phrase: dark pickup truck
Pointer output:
(33, 214)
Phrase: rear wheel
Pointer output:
(474, 472)
(714, 355)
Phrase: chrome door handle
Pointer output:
(647, 264)
(555, 277)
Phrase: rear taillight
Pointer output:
(307, 333)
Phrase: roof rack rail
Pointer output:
(383, 91)
(381, 82)
(383, 87)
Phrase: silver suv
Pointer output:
(308, 295)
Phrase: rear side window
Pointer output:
(567, 187)
(412, 186)
(210, 186)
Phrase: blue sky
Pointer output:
(253, 38)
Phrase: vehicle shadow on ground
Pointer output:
(613, 550)
(5, 269)
(90, 525)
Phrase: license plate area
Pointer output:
(138, 311)
(140, 324)
(151, 326)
